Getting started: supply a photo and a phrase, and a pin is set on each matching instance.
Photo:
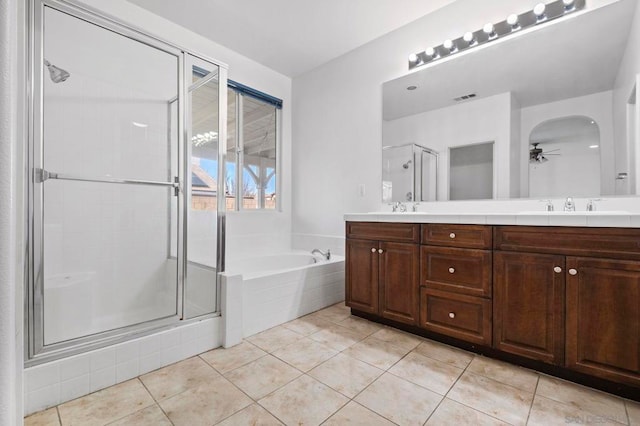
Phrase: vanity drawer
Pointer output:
(466, 236)
(466, 271)
(404, 232)
(464, 317)
(617, 243)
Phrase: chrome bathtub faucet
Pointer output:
(326, 255)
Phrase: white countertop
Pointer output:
(615, 219)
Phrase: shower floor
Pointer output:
(341, 369)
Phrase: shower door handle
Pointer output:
(42, 175)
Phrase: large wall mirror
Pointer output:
(549, 112)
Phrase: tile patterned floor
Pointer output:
(331, 368)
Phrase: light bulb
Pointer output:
(430, 52)
(489, 30)
(449, 45)
(513, 21)
(538, 10)
(413, 58)
(569, 5)
(469, 38)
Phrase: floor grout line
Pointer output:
(535, 391)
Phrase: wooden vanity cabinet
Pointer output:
(565, 300)
(382, 269)
(455, 281)
(594, 274)
(603, 318)
(528, 305)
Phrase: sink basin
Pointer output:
(578, 213)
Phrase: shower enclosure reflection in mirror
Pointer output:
(409, 173)
(110, 222)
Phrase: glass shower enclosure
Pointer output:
(126, 134)
(409, 173)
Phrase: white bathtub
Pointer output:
(261, 292)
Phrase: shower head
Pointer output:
(57, 75)
(406, 165)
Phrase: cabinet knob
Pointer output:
(452, 235)
(373, 250)
(557, 269)
(451, 270)
(380, 251)
(452, 315)
(573, 272)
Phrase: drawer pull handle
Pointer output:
(557, 269)
(452, 235)
(452, 315)
(451, 270)
(380, 251)
(573, 272)
(373, 250)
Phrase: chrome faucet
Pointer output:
(591, 204)
(569, 205)
(414, 208)
(326, 255)
(549, 206)
(399, 207)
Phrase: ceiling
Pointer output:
(292, 36)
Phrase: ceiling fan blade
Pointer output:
(553, 150)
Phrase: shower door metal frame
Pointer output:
(36, 352)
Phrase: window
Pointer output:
(252, 123)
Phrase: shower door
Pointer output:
(107, 236)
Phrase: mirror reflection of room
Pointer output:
(587, 97)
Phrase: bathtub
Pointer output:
(261, 292)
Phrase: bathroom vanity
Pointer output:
(564, 300)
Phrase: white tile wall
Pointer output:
(59, 381)
(272, 300)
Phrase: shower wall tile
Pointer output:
(75, 388)
(42, 376)
(150, 362)
(43, 398)
(75, 366)
(101, 379)
(127, 370)
(103, 358)
(127, 351)
(59, 381)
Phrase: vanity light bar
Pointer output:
(540, 14)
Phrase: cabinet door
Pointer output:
(603, 318)
(362, 260)
(399, 270)
(528, 305)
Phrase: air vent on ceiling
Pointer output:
(465, 97)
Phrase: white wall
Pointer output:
(598, 107)
(338, 118)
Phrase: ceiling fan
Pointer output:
(538, 155)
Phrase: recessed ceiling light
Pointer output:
(412, 87)
(594, 146)
(141, 125)
(593, 122)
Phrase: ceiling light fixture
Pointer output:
(539, 10)
(594, 146)
(512, 20)
(540, 14)
(469, 38)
